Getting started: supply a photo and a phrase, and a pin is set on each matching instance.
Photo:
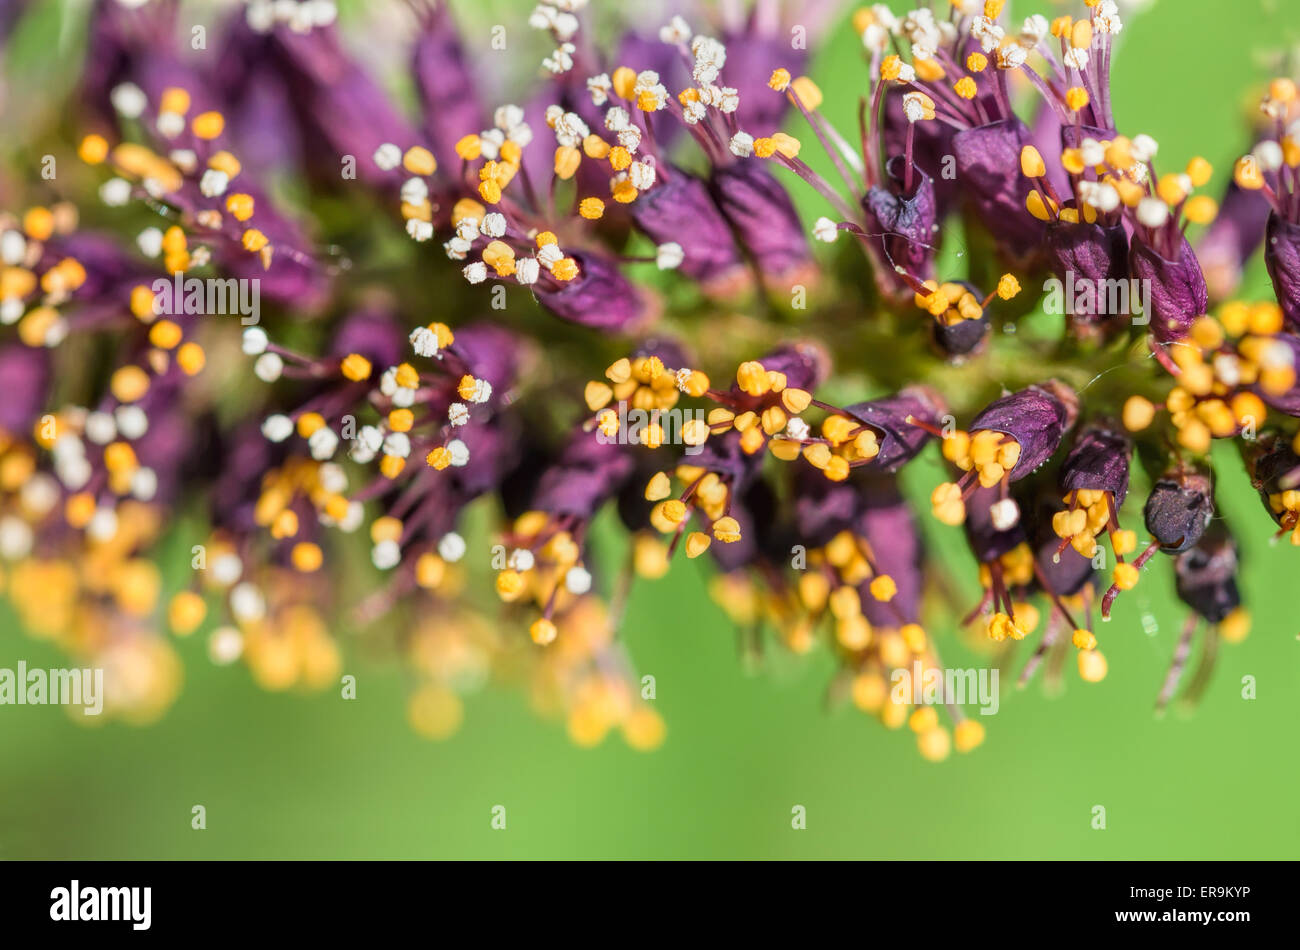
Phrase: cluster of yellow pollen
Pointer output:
(1280, 102)
(950, 303)
(298, 477)
(542, 555)
(1223, 361)
(706, 492)
(646, 384)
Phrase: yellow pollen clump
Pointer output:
(208, 125)
(1076, 97)
(808, 92)
(418, 160)
(966, 87)
(240, 206)
(93, 149)
(355, 367)
(779, 80)
(591, 208)
(977, 62)
(254, 240)
(129, 383)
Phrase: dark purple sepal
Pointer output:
(901, 226)
(1177, 288)
(900, 440)
(1282, 256)
(1066, 575)
(1037, 417)
(1087, 258)
(890, 528)
(25, 380)
(449, 99)
(763, 217)
(589, 472)
(987, 542)
(988, 167)
(1232, 239)
(679, 208)
(1098, 461)
(600, 297)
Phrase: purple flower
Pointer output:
(1098, 461)
(894, 417)
(764, 219)
(1176, 285)
(1282, 256)
(446, 85)
(588, 473)
(26, 375)
(1036, 418)
(891, 530)
(988, 167)
(902, 228)
(1089, 257)
(680, 209)
(600, 297)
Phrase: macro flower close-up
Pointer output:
(690, 429)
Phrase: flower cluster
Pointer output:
(606, 300)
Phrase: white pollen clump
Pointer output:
(796, 428)
(132, 421)
(1005, 514)
(451, 548)
(414, 191)
(115, 192)
(129, 100)
(521, 560)
(494, 224)
(824, 229)
(397, 443)
(225, 645)
(247, 603)
(1269, 155)
(214, 183)
(419, 231)
(742, 145)
(227, 569)
(1152, 212)
(100, 428)
(669, 256)
(268, 367)
(386, 555)
(458, 414)
(677, 31)
(149, 241)
(277, 428)
(255, 341)
(475, 273)
(459, 453)
(323, 443)
(424, 341)
(577, 580)
(388, 156)
(527, 270)
(1143, 147)
(16, 538)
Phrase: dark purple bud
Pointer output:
(1179, 510)
(988, 167)
(493, 452)
(1036, 417)
(959, 340)
(724, 456)
(1088, 259)
(1232, 239)
(764, 219)
(1206, 575)
(1099, 461)
(1176, 288)
(25, 376)
(680, 209)
(588, 473)
(600, 297)
(899, 439)
(445, 82)
(902, 226)
(1282, 255)
(890, 529)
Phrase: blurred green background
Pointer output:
(315, 776)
